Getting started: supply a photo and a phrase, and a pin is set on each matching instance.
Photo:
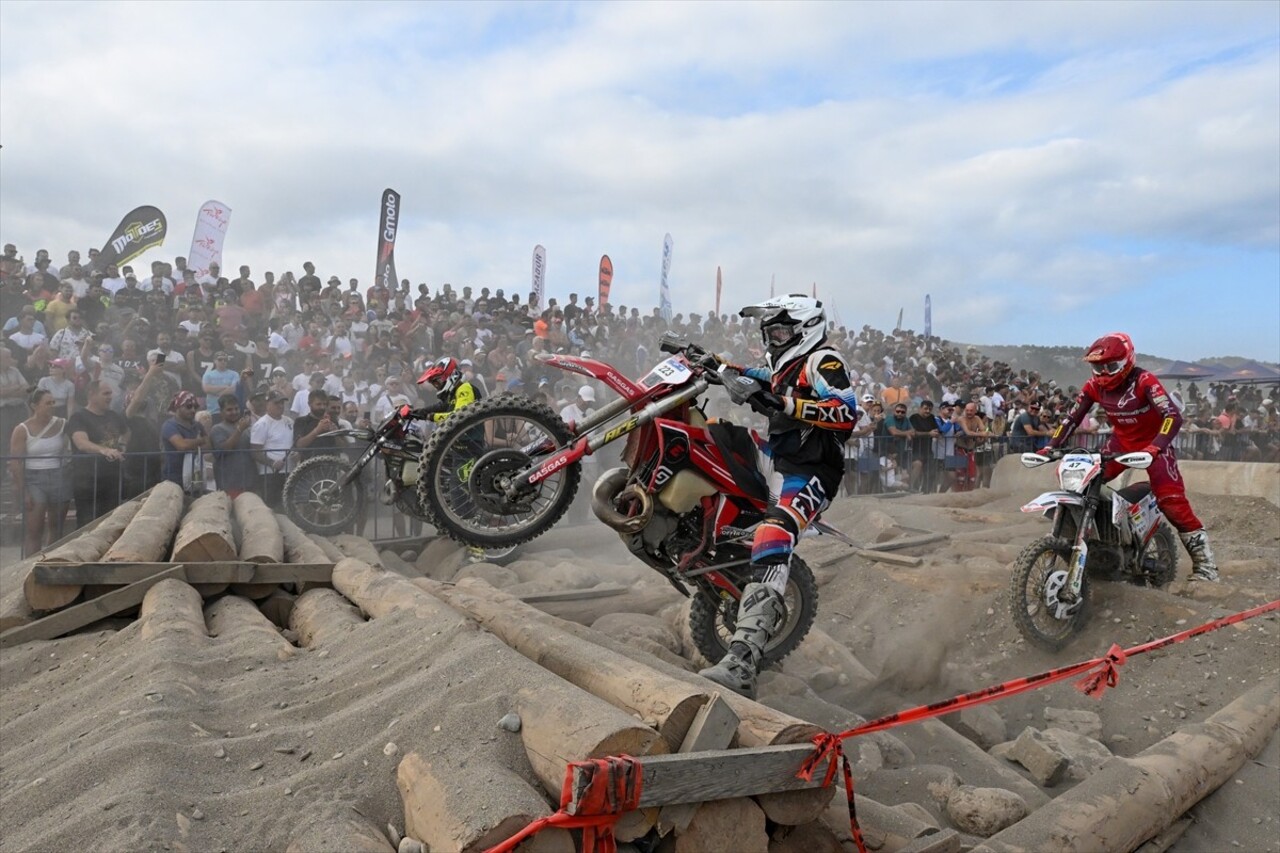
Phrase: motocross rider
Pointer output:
(1144, 419)
(453, 392)
(804, 391)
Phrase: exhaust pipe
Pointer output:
(609, 490)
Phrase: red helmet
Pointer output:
(1111, 357)
(444, 375)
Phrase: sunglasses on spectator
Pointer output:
(187, 406)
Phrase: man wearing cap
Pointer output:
(271, 438)
(233, 467)
(180, 437)
(577, 411)
(218, 380)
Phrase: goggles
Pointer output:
(1108, 368)
(779, 333)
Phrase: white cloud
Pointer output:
(924, 147)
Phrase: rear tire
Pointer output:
(1027, 595)
(471, 510)
(712, 629)
(312, 502)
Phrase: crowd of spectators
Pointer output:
(142, 377)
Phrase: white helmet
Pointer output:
(790, 326)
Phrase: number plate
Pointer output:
(673, 371)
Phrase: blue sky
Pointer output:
(1047, 171)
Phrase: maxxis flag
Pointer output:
(388, 224)
(141, 229)
(539, 276)
(664, 288)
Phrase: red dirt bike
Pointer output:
(686, 502)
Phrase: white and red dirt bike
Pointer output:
(686, 502)
(1099, 533)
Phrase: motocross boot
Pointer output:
(1203, 566)
(475, 554)
(760, 614)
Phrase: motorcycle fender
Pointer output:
(1049, 501)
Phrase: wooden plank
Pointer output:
(884, 557)
(574, 594)
(86, 613)
(697, 777)
(227, 571)
(713, 728)
(908, 542)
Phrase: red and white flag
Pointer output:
(206, 243)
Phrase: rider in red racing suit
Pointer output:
(1144, 418)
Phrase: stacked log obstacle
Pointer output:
(115, 560)
(559, 723)
(776, 743)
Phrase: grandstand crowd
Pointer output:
(136, 374)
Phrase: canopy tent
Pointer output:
(1249, 372)
(1188, 370)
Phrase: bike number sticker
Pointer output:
(673, 371)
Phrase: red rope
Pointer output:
(1100, 673)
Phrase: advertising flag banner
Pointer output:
(898, 327)
(206, 242)
(539, 275)
(928, 316)
(815, 290)
(606, 280)
(142, 228)
(771, 285)
(664, 288)
(389, 222)
(719, 287)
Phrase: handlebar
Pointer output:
(1139, 459)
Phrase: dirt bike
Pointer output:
(1098, 533)
(324, 494)
(686, 502)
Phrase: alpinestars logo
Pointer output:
(136, 233)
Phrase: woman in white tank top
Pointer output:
(38, 449)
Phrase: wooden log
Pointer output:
(331, 551)
(1130, 800)
(346, 830)
(234, 618)
(885, 828)
(88, 543)
(713, 728)
(236, 571)
(206, 534)
(86, 613)
(908, 542)
(560, 722)
(667, 704)
(934, 742)
(171, 608)
(301, 548)
(14, 609)
(358, 547)
(884, 557)
(321, 615)
(473, 807)
(557, 728)
(736, 825)
(258, 540)
(148, 535)
(277, 607)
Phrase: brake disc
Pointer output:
(1057, 607)
(490, 476)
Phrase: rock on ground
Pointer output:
(984, 811)
(1046, 763)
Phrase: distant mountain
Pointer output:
(1064, 365)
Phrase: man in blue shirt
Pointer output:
(180, 437)
(218, 380)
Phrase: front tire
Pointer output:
(1160, 561)
(312, 499)
(712, 627)
(1032, 573)
(461, 474)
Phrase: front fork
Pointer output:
(1080, 549)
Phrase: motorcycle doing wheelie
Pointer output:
(1099, 533)
(686, 501)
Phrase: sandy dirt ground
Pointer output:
(109, 741)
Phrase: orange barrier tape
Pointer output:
(1100, 673)
(612, 786)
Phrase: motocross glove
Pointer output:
(1153, 449)
(766, 403)
(740, 388)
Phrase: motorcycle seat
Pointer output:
(1134, 492)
